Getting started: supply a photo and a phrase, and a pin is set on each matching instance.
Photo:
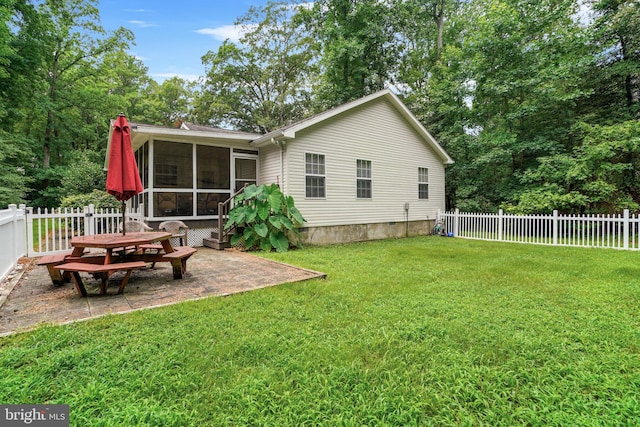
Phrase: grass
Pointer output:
(420, 331)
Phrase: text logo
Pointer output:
(34, 415)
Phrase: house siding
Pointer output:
(270, 165)
(379, 133)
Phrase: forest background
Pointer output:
(537, 101)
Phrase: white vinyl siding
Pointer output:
(377, 132)
(270, 166)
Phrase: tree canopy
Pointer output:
(537, 102)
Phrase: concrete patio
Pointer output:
(30, 299)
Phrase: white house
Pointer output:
(365, 170)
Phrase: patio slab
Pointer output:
(32, 299)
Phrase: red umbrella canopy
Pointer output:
(123, 180)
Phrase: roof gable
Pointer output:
(290, 131)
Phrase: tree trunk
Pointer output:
(48, 136)
(438, 18)
(632, 86)
(51, 120)
(631, 81)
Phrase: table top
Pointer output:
(115, 240)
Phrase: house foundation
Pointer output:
(362, 232)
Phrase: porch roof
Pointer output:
(187, 132)
(140, 133)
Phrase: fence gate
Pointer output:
(51, 231)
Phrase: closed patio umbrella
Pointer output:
(123, 179)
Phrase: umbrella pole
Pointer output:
(124, 231)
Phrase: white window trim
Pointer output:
(306, 174)
(362, 178)
(421, 182)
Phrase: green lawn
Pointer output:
(421, 331)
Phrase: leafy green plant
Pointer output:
(99, 198)
(265, 218)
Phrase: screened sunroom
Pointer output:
(186, 174)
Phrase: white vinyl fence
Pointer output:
(599, 231)
(13, 237)
(50, 231)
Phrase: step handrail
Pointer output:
(223, 212)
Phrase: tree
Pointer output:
(357, 44)
(121, 80)
(262, 83)
(21, 56)
(75, 44)
(57, 93)
(598, 176)
(525, 67)
(617, 81)
(167, 104)
(86, 174)
(14, 155)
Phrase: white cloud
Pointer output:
(163, 76)
(141, 24)
(231, 32)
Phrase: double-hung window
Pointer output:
(314, 175)
(363, 181)
(423, 183)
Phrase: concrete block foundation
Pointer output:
(362, 232)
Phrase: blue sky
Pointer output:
(172, 36)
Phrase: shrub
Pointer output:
(99, 198)
(265, 218)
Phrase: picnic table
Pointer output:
(121, 252)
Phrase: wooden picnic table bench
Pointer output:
(60, 276)
(101, 270)
(177, 257)
(50, 261)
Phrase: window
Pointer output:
(314, 175)
(245, 172)
(173, 165)
(363, 182)
(142, 159)
(213, 166)
(208, 202)
(423, 183)
(173, 204)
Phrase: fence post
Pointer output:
(500, 215)
(29, 224)
(625, 229)
(456, 223)
(14, 233)
(85, 226)
(89, 220)
(22, 209)
(555, 227)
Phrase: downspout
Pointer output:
(281, 144)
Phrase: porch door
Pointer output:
(245, 171)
